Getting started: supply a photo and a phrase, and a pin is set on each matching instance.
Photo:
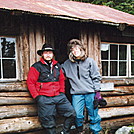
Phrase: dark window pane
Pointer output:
(132, 68)
(113, 52)
(122, 52)
(113, 68)
(9, 68)
(8, 47)
(104, 55)
(122, 68)
(104, 51)
(132, 52)
(104, 68)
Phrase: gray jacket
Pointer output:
(84, 76)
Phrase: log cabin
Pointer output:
(108, 35)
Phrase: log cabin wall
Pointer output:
(18, 111)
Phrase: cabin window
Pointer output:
(8, 59)
(117, 60)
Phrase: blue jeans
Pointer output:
(79, 102)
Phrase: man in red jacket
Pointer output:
(46, 84)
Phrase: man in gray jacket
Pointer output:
(84, 78)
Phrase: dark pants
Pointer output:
(49, 107)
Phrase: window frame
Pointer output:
(128, 61)
(16, 60)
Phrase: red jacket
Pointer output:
(45, 80)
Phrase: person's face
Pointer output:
(76, 51)
(47, 55)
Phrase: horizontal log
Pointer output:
(21, 86)
(17, 111)
(14, 89)
(120, 90)
(25, 92)
(120, 100)
(111, 125)
(26, 124)
(114, 124)
(30, 110)
(13, 86)
(112, 100)
(20, 111)
(15, 94)
(124, 89)
(9, 99)
(119, 82)
(116, 111)
(15, 100)
(19, 125)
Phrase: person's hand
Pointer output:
(98, 100)
(98, 95)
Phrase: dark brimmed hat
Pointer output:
(45, 47)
